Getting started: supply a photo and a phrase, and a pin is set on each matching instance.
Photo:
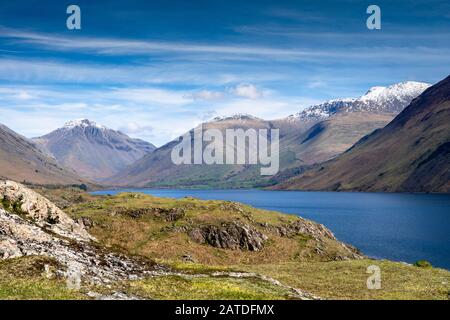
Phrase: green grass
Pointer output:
(24, 279)
(347, 279)
(158, 239)
(289, 260)
(199, 288)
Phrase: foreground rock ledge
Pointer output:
(30, 205)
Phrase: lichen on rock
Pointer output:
(229, 236)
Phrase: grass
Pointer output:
(201, 288)
(158, 239)
(25, 279)
(289, 260)
(347, 279)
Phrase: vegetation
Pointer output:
(125, 223)
(201, 288)
(12, 206)
(347, 279)
(153, 237)
(423, 264)
(25, 279)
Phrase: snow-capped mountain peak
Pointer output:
(401, 91)
(237, 116)
(83, 123)
(378, 99)
(94, 151)
(373, 93)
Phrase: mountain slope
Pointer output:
(157, 169)
(93, 151)
(334, 135)
(21, 160)
(410, 154)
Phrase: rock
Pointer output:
(25, 202)
(188, 258)
(86, 222)
(21, 237)
(9, 249)
(319, 233)
(113, 296)
(32, 225)
(229, 236)
(305, 227)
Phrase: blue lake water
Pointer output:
(402, 227)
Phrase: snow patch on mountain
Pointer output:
(83, 123)
(237, 116)
(391, 99)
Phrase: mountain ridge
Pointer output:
(22, 160)
(410, 154)
(377, 99)
(302, 142)
(92, 150)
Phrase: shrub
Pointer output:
(423, 264)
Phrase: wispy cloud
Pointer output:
(206, 95)
(112, 46)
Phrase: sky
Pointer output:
(155, 69)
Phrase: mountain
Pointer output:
(410, 154)
(305, 139)
(92, 150)
(332, 136)
(334, 126)
(22, 160)
(157, 168)
(384, 100)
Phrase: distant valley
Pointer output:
(312, 136)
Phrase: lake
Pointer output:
(401, 227)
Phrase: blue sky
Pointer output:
(154, 69)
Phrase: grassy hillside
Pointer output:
(122, 221)
(202, 270)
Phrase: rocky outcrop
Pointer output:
(229, 236)
(321, 235)
(29, 204)
(305, 227)
(20, 237)
(32, 225)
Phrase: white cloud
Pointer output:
(248, 91)
(206, 95)
(151, 96)
(153, 114)
(135, 128)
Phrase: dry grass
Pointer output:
(347, 279)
